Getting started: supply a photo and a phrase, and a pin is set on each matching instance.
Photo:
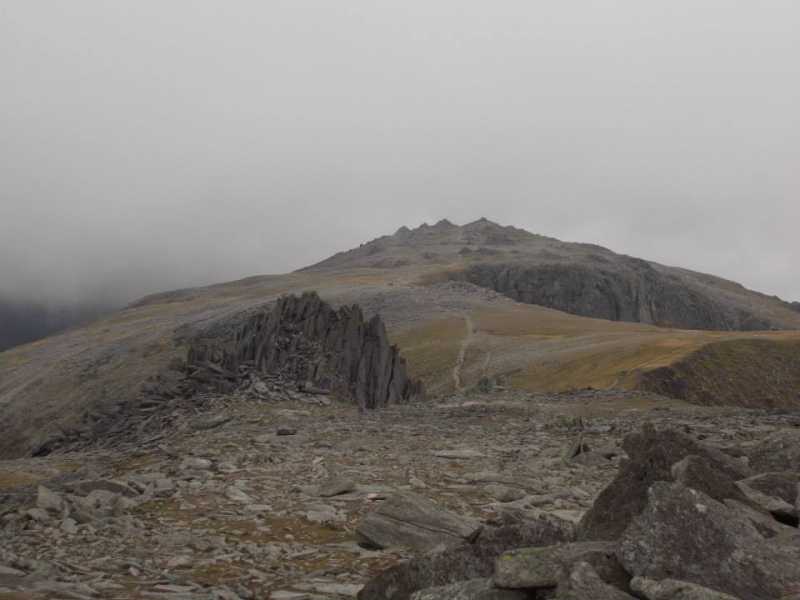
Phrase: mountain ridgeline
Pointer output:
(581, 279)
(463, 305)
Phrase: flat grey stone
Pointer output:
(672, 589)
(415, 522)
(335, 486)
(545, 566)
(49, 500)
(463, 453)
(474, 589)
(583, 583)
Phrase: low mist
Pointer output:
(151, 146)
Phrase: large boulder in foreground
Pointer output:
(466, 561)
(686, 535)
(306, 340)
(652, 454)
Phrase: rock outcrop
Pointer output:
(307, 341)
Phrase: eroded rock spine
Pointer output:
(307, 340)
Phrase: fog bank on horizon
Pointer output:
(150, 146)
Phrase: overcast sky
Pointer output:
(150, 145)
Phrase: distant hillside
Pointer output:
(454, 334)
(581, 279)
(23, 322)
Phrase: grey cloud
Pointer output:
(150, 145)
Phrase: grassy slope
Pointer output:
(539, 349)
(746, 372)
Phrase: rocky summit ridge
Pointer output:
(581, 279)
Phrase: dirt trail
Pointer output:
(462, 352)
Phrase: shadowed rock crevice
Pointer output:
(306, 340)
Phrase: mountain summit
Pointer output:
(582, 279)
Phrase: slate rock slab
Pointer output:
(335, 486)
(672, 589)
(779, 451)
(473, 589)
(699, 473)
(780, 484)
(534, 568)
(583, 583)
(48, 500)
(415, 522)
(764, 522)
(781, 510)
(465, 561)
(687, 535)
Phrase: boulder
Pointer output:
(780, 509)
(764, 523)
(591, 459)
(672, 589)
(687, 535)
(652, 454)
(193, 463)
(504, 493)
(543, 567)
(86, 487)
(583, 583)
(779, 451)
(780, 484)
(473, 589)
(465, 561)
(698, 473)
(47, 499)
(414, 522)
(335, 486)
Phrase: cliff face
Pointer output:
(305, 340)
(632, 290)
